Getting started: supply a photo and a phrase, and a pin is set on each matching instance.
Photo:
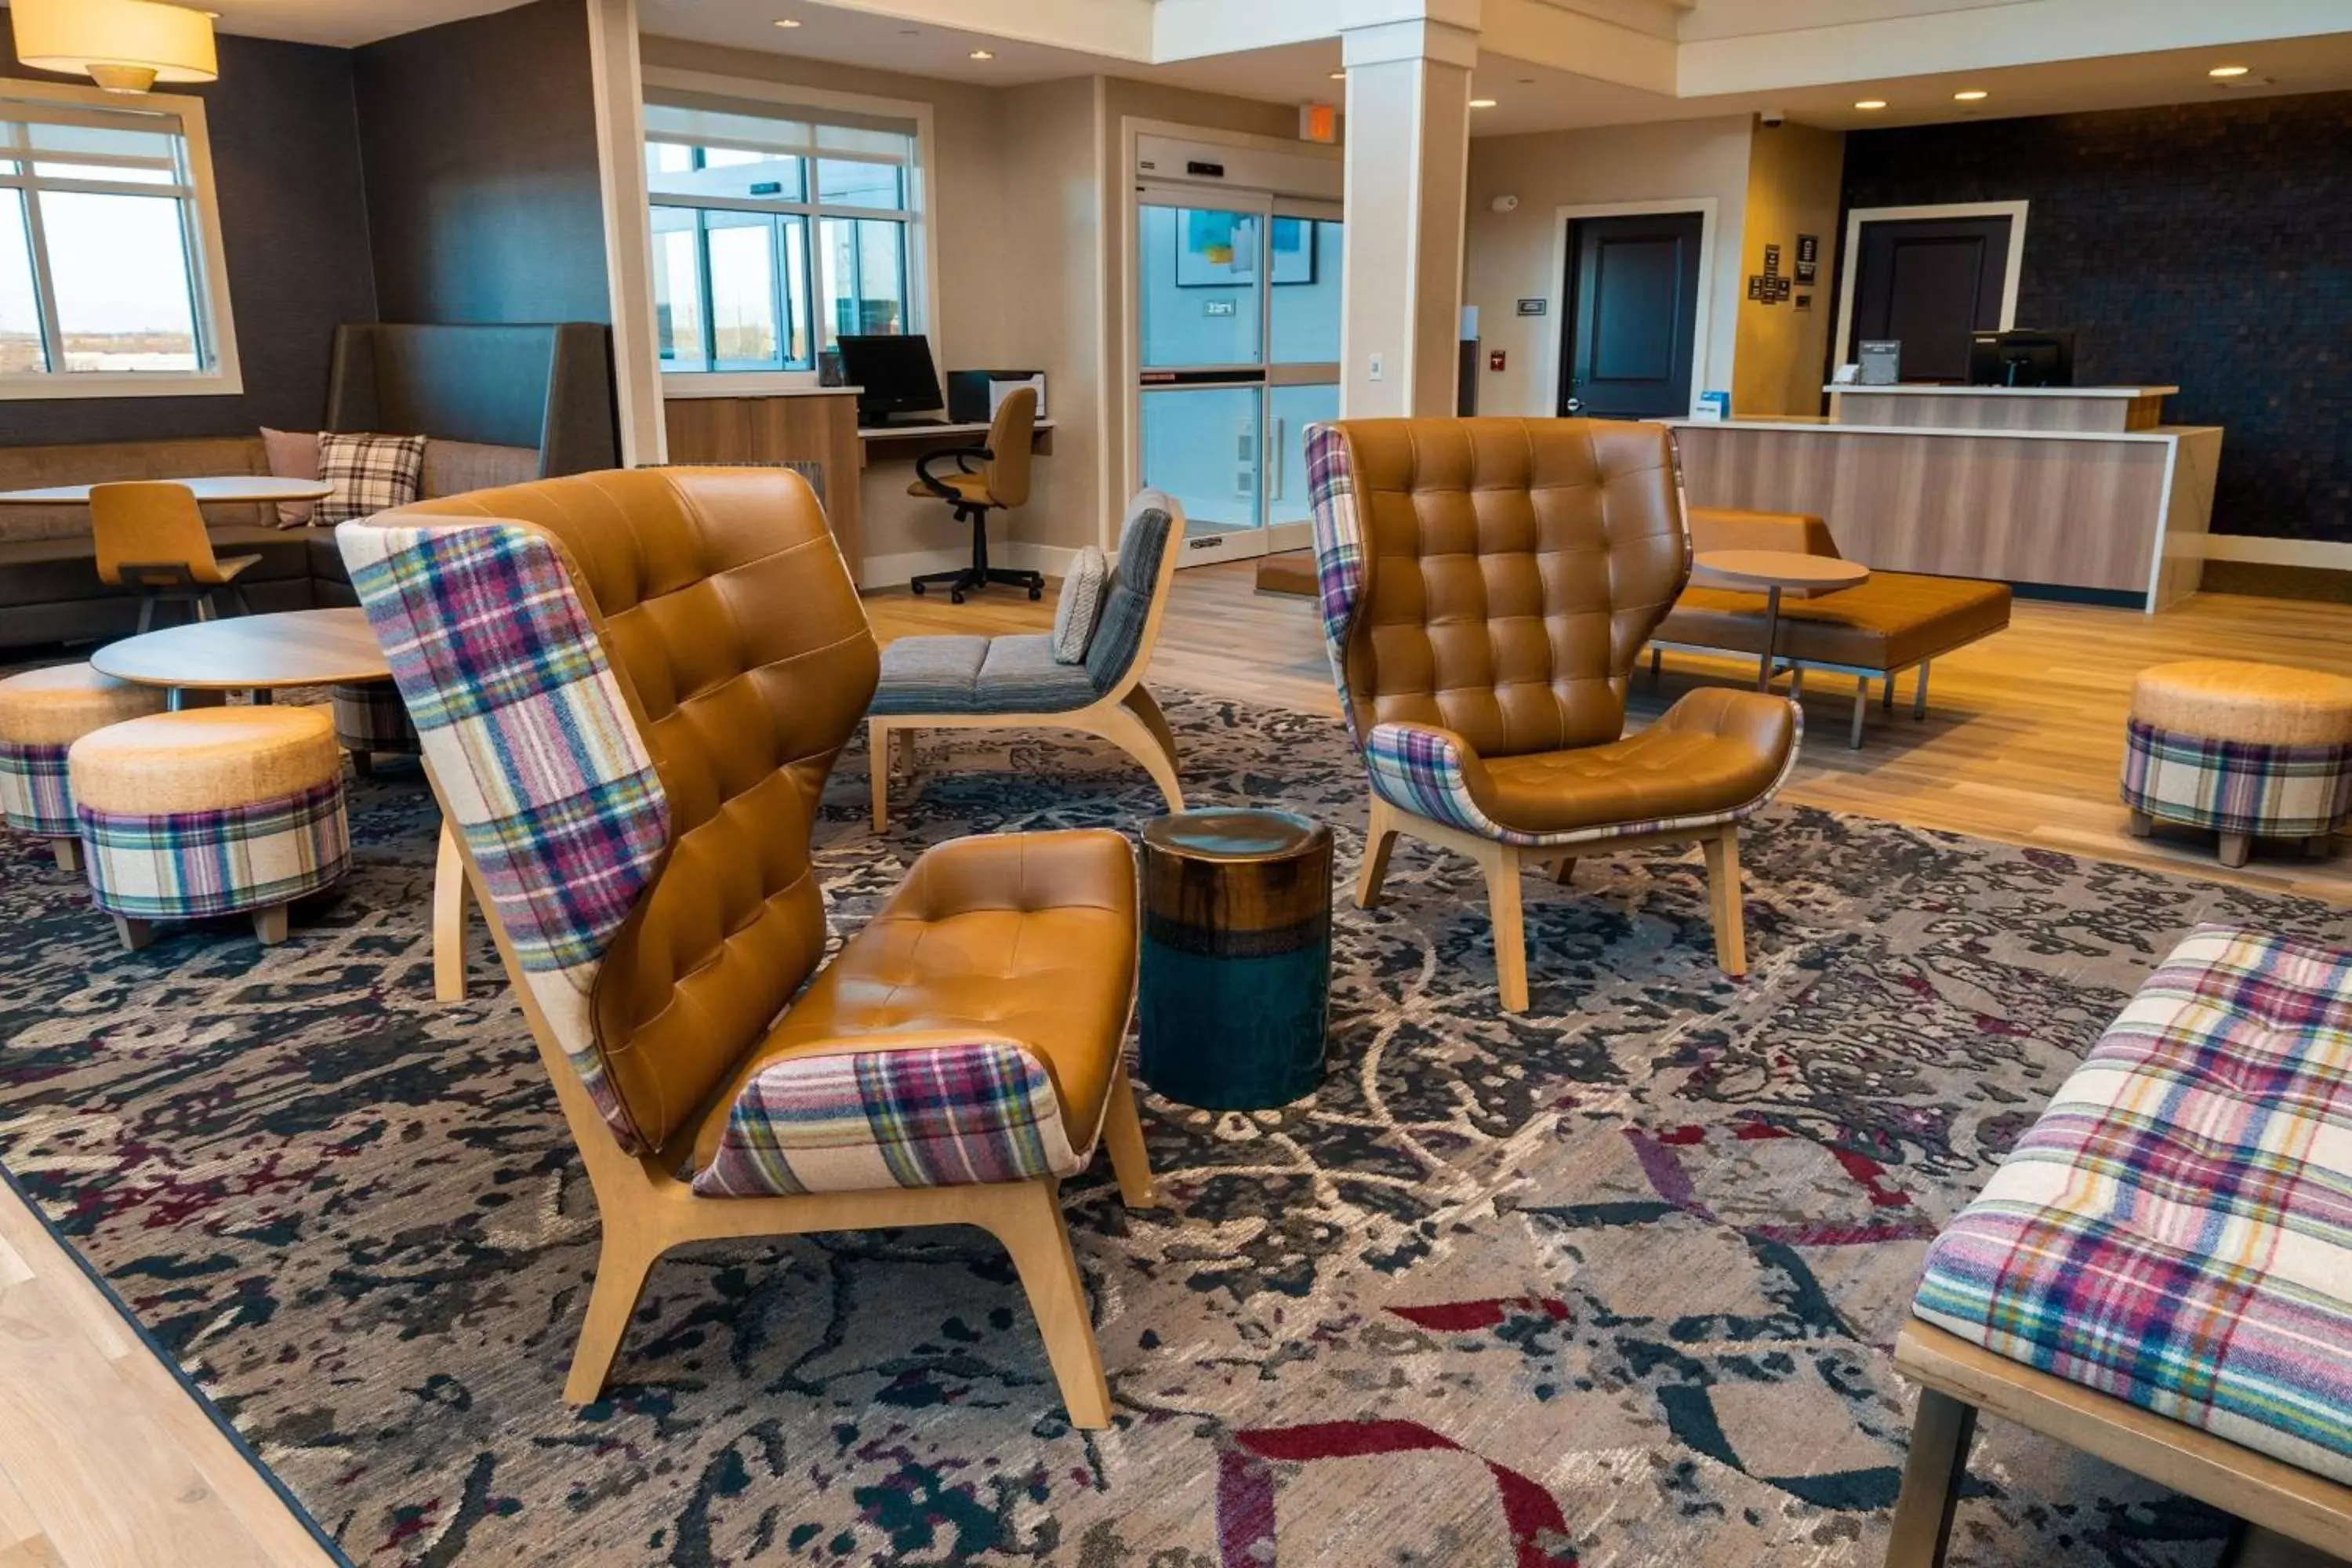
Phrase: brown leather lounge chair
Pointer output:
(1487, 586)
(633, 744)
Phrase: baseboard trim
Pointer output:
(1020, 554)
(2326, 555)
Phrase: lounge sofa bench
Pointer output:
(1894, 622)
(2161, 1273)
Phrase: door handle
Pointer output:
(1575, 406)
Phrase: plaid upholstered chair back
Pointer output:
(1494, 577)
(631, 688)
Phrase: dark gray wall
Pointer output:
(286, 161)
(2202, 245)
(483, 193)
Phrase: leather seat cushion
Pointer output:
(1891, 621)
(979, 675)
(1714, 751)
(1025, 937)
(972, 487)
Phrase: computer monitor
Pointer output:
(893, 373)
(2021, 358)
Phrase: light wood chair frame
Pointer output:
(645, 1210)
(1503, 864)
(1958, 1379)
(1128, 715)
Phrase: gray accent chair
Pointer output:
(1013, 682)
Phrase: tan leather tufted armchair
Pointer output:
(1485, 587)
(629, 689)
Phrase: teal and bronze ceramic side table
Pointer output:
(1236, 957)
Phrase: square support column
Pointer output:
(1408, 175)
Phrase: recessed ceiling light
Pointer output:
(788, 21)
(983, 54)
(2223, 73)
(1339, 76)
(1970, 95)
(1871, 103)
(1482, 103)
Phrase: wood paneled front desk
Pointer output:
(2076, 488)
(814, 430)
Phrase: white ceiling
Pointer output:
(343, 23)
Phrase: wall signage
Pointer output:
(1534, 307)
(1808, 258)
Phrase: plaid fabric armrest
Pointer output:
(908, 1116)
(1339, 553)
(522, 719)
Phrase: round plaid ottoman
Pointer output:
(42, 713)
(215, 811)
(2250, 751)
(370, 721)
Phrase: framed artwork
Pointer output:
(1294, 251)
(1215, 250)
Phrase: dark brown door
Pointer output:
(1928, 283)
(1632, 299)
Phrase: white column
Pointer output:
(619, 85)
(1408, 179)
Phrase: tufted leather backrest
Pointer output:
(1510, 571)
(745, 657)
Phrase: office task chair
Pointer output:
(1001, 483)
(150, 537)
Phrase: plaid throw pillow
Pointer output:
(370, 473)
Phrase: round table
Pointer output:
(226, 489)
(1775, 571)
(261, 654)
(1236, 961)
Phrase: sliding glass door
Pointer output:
(1238, 351)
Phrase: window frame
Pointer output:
(921, 255)
(208, 290)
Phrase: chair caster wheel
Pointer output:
(1037, 591)
(919, 590)
(956, 597)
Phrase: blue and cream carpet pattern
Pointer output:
(1611, 1284)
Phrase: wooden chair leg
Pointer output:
(269, 925)
(2236, 848)
(878, 746)
(2318, 846)
(1123, 1136)
(134, 932)
(1380, 839)
(363, 765)
(448, 919)
(1140, 701)
(1119, 726)
(1563, 870)
(1500, 862)
(1724, 902)
(68, 853)
(2141, 825)
(1931, 1481)
(902, 748)
(1028, 1220)
(621, 1267)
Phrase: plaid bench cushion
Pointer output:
(2176, 1230)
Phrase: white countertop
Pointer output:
(1924, 389)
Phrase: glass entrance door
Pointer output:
(1238, 350)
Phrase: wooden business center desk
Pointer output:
(2076, 488)
(814, 430)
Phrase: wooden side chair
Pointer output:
(632, 747)
(150, 536)
(1014, 682)
(1487, 586)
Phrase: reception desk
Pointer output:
(2080, 489)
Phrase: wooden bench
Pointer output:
(2161, 1273)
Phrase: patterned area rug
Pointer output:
(1609, 1284)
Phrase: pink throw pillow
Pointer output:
(293, 454)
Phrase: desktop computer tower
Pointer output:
(973, 395)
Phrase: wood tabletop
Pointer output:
(294, 648)
(1776, 569)
(223, 487)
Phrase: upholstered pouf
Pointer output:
(42, 713)
(371, 720)
(215, 811)
(2250, 751)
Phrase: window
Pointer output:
(774, 234)
(110, 277)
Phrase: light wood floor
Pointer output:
(106, 1463)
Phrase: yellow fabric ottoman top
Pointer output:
(2237, 699)
(205, 759)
